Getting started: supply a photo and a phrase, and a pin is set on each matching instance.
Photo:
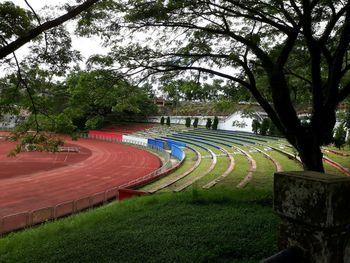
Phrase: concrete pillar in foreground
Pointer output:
(315, 214)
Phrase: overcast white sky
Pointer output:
(87, 46)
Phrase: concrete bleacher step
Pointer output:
(275, 162)
(224, 175)
(180, 176)
(251, 170)
(199, 176)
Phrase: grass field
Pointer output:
(218, 225)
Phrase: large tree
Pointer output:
(96, 97)
(241, 41)
(18, 26)
(30, 79)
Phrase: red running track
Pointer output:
(32, 181)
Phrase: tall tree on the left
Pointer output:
(51, 53)
(17, 26)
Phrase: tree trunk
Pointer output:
(310, 153)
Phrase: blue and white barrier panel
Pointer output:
(177, 152)
(156, 143)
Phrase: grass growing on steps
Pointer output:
(186, 165)
(237, 175)
(263, 176)
(214, 225)
(343, 160)
(286, 163)
(331, 170)
(201, 169)
(220, 167)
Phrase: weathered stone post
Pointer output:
(315, 214)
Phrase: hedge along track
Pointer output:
(176, 178)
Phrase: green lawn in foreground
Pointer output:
(216, 225)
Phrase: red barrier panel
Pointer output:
(127, 193)
(106, 135)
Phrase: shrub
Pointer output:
(340, 136)
(168, 121)
(64, 124)
(256, 126)
(188, 122)
(195, 123)
(215, 123)
(208, 124)
(264, 126)
(60, 123)
(162, 120)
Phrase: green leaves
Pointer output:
(96, 95)
(14, 20)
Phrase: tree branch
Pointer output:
(11, 47)
(262, 55)
(259, 15)
(39, 22)
(289, 72)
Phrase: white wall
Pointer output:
(236, 121)
(134, 140)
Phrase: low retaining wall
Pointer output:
(30, 218)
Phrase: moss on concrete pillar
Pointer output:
(315, 214)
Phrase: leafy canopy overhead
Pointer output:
(280, 51)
